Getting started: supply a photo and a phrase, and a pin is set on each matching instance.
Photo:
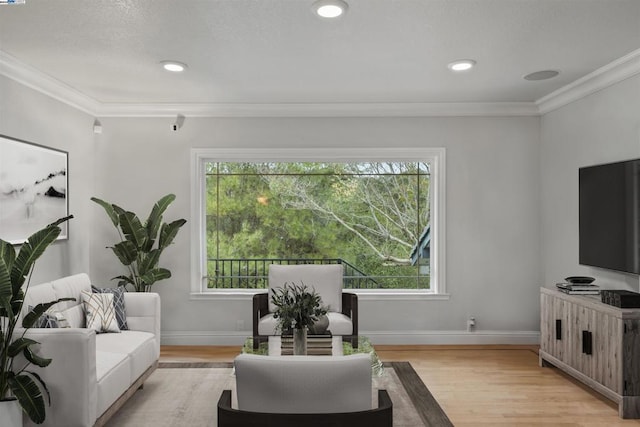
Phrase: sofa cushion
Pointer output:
(113, 371)
(339, 324)
(139, 346)
(267, 325)
(67, 287)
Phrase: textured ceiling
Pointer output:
(277, 51)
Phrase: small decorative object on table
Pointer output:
(297, 308)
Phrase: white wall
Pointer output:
(31, 116)
(493, 226)
(600, 128)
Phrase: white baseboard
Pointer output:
(377, 337)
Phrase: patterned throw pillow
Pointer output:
(118, 304)
(100, 312)
(51, 319)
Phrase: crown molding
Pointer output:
(603, 77)
(612, 73)
(321, 110)
(33, 78)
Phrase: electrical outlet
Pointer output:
(471, 324)
(239, 325)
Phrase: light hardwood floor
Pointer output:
(478, 385)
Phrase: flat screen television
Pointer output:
(610, 216)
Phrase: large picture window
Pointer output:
(375, 217)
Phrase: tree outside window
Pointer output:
(374, 217)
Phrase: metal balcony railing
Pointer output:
(254, 273)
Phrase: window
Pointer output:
(379, 214)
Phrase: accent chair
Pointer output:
(310, 391)
(327, 280)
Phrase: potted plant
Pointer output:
(142, 244)
(20, 387)
(297, 309)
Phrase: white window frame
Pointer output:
(434, 156)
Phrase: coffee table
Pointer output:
(274, 346)
(338, 348)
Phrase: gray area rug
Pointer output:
(186, 394)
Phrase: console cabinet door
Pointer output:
(580, 339)
(547, 324)
(630, 383)
(607, 356)
(554, 326)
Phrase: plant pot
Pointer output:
(10, 413)
(300, 342)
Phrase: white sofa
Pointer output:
(91, 375)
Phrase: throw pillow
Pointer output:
(51, 319)
(100, 312)
(118, 304)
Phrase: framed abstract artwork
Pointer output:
(33, 188)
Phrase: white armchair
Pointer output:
(311, 391)
(327, 280)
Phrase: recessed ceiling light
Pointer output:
(174, 66)
(462, 65)
(330, 8)
(541, 75)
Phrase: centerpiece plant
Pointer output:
(297, 309)
(17, 382)
(142, 243)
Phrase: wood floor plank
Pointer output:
(478, 385)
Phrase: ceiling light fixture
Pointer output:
(462, 65)
(173, 66)
(329, 8)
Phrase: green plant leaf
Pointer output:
(118, 210)
(34, 358)
(7, 254)
(7, 257)
(155, 218)
(168, 232)
(17, 346)
(154, 275)
(124, 280)
(113, 215)
(25, 389)
(133, 229)
(126, 251)
(149, 261)
(30, 251)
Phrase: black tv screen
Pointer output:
(610, 216)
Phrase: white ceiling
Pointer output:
(279, 52)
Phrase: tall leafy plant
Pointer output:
(16, 380)
(142, 243)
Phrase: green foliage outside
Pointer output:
(368, 214)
